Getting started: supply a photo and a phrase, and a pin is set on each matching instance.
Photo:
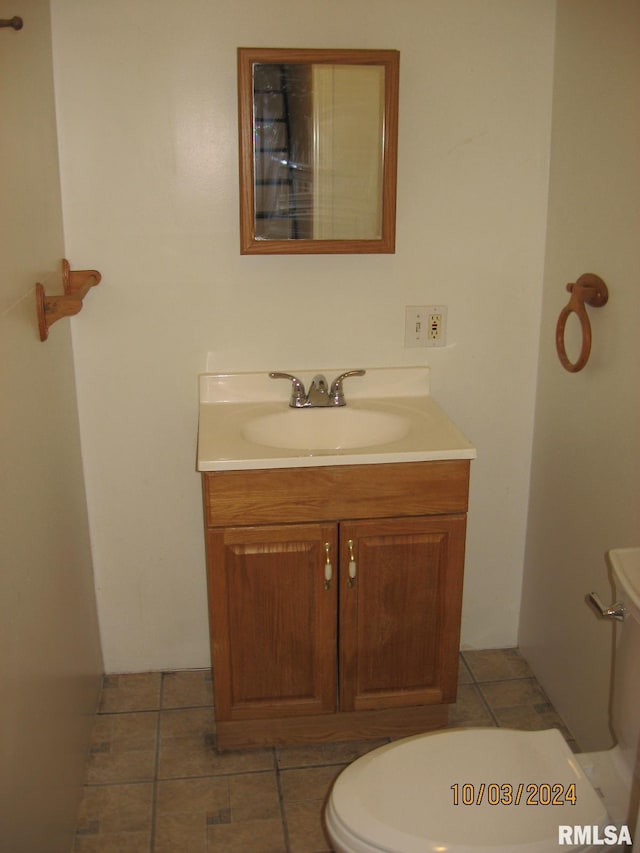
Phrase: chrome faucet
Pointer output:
(320, 394)
(318, 391)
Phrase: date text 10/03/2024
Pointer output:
(509, 794)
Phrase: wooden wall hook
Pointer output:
(591, 290)
(76, 284)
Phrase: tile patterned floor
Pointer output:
(156, 785)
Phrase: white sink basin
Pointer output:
(246, 423)
(326, 429)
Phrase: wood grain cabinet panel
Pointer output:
(400, 618)
(273, 621)
(326, 626)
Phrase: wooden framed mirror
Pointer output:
(318, 134)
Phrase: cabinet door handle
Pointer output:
(328, 568)
(352, 565)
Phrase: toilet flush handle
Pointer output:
(616, 611)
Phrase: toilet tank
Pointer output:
(625, 707)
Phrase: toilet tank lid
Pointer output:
(457, 791)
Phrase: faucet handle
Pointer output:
(298, 394)
(336, 392)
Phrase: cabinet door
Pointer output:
(400, 617)
(273, 620)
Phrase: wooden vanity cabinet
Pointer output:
(344, 621)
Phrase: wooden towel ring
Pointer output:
(589, 289)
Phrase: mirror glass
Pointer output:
(318, 150)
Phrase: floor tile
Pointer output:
(184, 809)
(522, 704)
(187, 748)
(254, 796)
(136, 692)
(123, 748)
(496, 664)
(178, 833)
(188, 689)
(532, 718)
(118, 842)
(469, 709)
(514, 693)
(252, 836)
(304, 794)
(305, 827)
(219, 813)
(464, 675)
(310, 783)
(208, 796)
(324, 753)
(115, 817)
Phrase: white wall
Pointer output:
(146, 99)
(49, 647)
(586, 462)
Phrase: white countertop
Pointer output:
(229, 402)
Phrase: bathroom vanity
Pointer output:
(334, 573)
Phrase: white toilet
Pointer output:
(487, 790)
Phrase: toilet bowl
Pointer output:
(462, 791)
(486, 790)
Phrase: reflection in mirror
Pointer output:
(318, 151)
(318, 139)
